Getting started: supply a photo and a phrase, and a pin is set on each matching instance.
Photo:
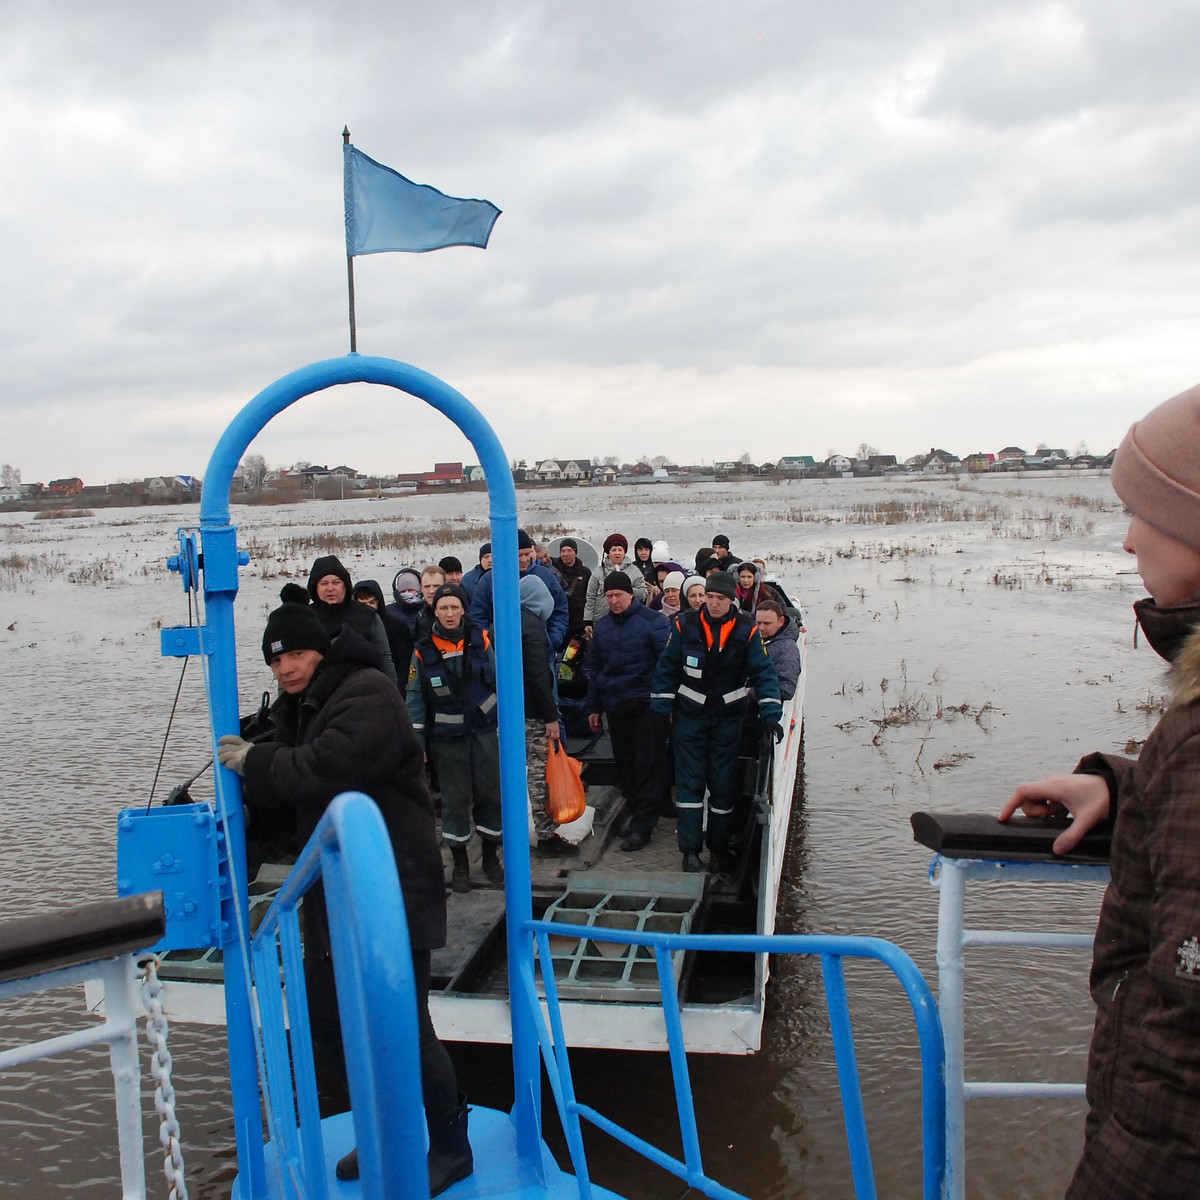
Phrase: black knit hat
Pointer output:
(327, 564)
(617, 581)
(452, 589)
(568, 542)
(293, 627)
(722, 583)
(524, 541)
(450, 563)
(721, 540)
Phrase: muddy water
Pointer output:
(963, 637)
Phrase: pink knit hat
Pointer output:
(1157, 468)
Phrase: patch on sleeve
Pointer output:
(1187, 959)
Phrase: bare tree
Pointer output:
(254, 471)
(1081, 449)
(744, 457)
(659, 460)
(10, 476)
(865, 451)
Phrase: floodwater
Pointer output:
(964, 636)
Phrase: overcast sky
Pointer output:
(781, 227)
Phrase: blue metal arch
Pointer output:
(218, 539)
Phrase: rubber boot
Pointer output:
(347, 1167)
(491, 861)
(460, 881)
(450, 1156)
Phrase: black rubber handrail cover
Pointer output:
(1022, 839)
(84, 933)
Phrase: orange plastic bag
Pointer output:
(564, 800)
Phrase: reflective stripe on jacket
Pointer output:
(455, 685)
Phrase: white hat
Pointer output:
(660, 552)
(674, 579)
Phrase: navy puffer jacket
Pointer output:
(623, 654)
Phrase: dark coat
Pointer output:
(362, 619)
(350, 731)
(574, 580)
(1144, 1066)
(624, 652)
(540, 704)
(470, 581)
(695, 677)
(482, 603)
(399, 636)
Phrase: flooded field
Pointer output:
(964, 636)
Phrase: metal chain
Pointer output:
(164, 1091)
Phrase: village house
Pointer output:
(1046, 459)
(979, 461)
(443, 475)
(70, 486)
(796, 464)
(567, 470)
(938, 462)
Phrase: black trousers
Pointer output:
(639, 742)
(439, 1083)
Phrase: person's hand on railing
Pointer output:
(232, 751)
(1085, 797)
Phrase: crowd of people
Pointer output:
(398, 699)
(684, 665)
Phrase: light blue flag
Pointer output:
(385, 211)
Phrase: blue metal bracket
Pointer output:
(182, 641)
(176, 850)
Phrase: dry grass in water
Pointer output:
(21, 571)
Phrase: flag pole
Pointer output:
(350, 269)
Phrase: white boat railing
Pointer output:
(40, 953)
(950, 876)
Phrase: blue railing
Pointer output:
(832, 950)
(373, 966)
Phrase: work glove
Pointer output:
(776, 731)
(232, 751)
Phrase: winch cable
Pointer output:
(170, 719)
(166, 737)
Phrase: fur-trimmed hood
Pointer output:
(1185, 670)
(1174, 634)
